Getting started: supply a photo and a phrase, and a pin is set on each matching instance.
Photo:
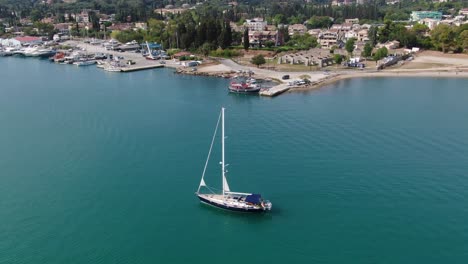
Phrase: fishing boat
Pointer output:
(233, 201)
(238, 85)
(58, 57)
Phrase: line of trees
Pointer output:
(184, 33)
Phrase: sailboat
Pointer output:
(150, 54)
(233, 201)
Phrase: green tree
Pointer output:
(398, 15)
(246, 39)
(338, 58)
(367, 52)
(36, 15)
(443, 37)
(319, 22)
(349, 46)
(303, 42)
(420, 29)
(258, 60)
(45, 29)
(385, 31)
(206, 48)
(381, 53)
(464, 39)
(269, 44)
(372, 34)
(279, 19)
(225, 38)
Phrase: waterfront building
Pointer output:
(10, 43)
(315, 56)
(419, 15)
(28, 40)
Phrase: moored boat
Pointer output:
(233, 201)
(84, 62)
(112, 68)
(241, 86)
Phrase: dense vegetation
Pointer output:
(206, 28)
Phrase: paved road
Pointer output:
(314, 75)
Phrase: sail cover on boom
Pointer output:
(253, 198)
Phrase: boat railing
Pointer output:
(238, 193)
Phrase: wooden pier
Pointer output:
(139, 68)
(276, 90)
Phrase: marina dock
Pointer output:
(139, 68)
(276, 90)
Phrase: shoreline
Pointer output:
(426, 64)
(325, 80)
(382, 74)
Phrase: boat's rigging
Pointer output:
(202, 182)
(235, 201)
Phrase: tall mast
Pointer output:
(222, 148)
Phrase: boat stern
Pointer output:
(267, 205)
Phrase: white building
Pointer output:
(256, 24)
(351, 34)
(10, 43)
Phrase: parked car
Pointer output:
(285, 77)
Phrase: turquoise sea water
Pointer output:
(100, 167)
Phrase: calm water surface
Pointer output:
(100, 167)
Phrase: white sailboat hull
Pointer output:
(232, 203)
